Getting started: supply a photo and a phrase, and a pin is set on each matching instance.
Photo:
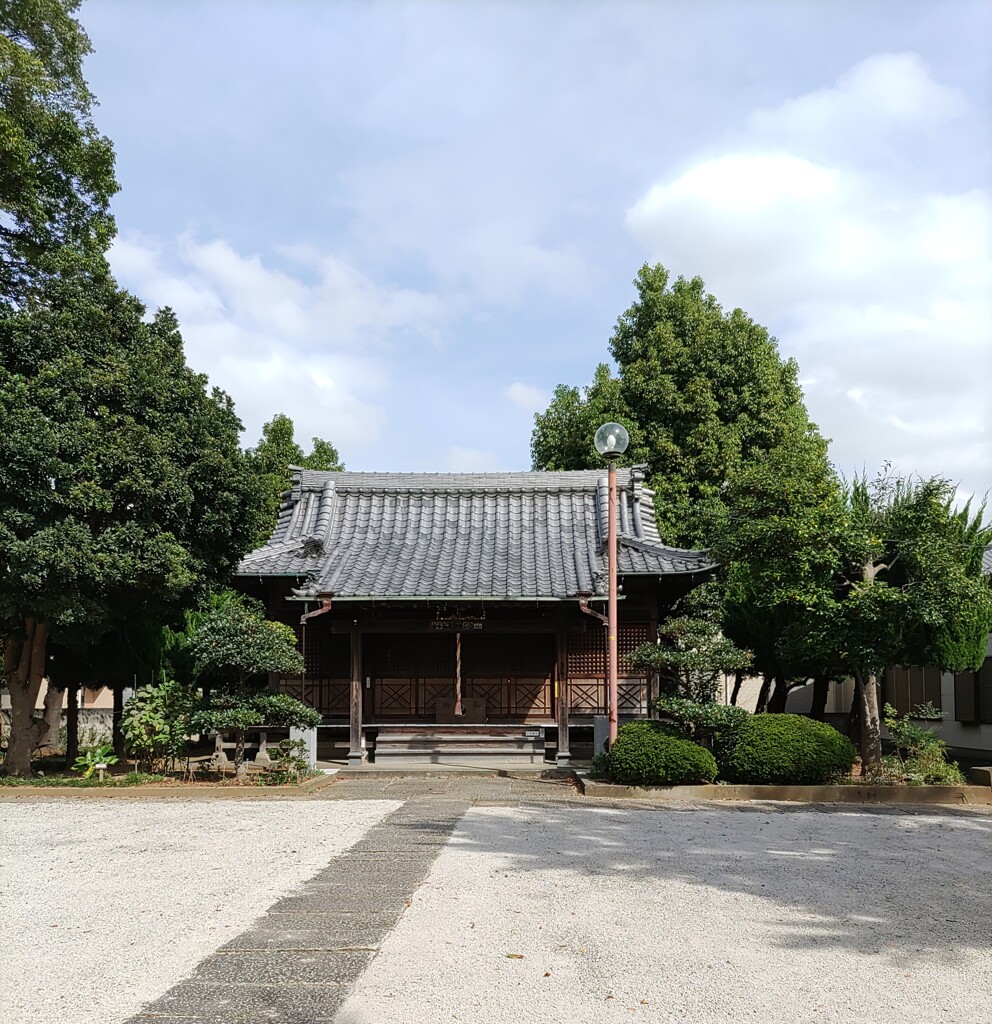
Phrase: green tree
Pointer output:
(702, 392)
(778, 545)
(910, 589)
(271, 458)
(847, 582)
(692, 654)
(56, 170)
(125, 492)
(237, 646)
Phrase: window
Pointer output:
(906, 688)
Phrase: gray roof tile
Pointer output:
(495, 535)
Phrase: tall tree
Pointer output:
(56, 170)
(910, 589)
(125, 492)
(778, 545)
(701, 391)
(271, 458)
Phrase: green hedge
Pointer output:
(783, 750)
(647, 754)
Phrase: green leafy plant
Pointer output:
(156, 723)
(648, 754)
(715, 726)
(89, 759)
(782, 750)
(288, 762)
(920, 756)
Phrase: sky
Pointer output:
(402, 224)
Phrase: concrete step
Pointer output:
(458, 745)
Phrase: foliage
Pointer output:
(238, 711)
(288, 762)
(779, 548)
(787, 750)
(125, 490)
(702, 392)
(234, 642)
(691, 653)
(156, 722)
(848, 581)
(715, 726)
(271, 458)
(646, 755)
(920, 756)
(128, 779)
(88, 760)
(56, 170)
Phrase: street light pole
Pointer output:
(611, 442)
(611, 629)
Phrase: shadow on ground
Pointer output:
(876, 881)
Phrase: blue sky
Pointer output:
(404, 223)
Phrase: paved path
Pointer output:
(296, 964)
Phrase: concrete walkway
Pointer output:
(296, 964)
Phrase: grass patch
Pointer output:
(110, 782)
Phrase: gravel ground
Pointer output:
(105, 904)
(702, 915)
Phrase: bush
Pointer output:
(920, 757)
(784, 750)
(648, 754)
(714, 726)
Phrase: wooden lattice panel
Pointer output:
(430, 690)
(587, 653)
(492, 691)
(587, 696)
(395, 698)
(327, 655)
(629, 636)
(530, 698)
(587, 650)
(415, 655)
(632, 696)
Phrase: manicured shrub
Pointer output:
(783, 750)
(650, 754)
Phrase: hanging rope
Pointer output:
(458, 675)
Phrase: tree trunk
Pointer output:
(118, 736)
(49, 741)
(738, 679)
(239, 754)
(72, 726)
(776, 705)
(821, 687)
(766, 684)
(869, 724)
(24, 669)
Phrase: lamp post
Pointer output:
(611, 442)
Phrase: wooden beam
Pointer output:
(356, 752)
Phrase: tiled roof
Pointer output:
(494, 535)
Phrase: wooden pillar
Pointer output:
(356, 752)
(564, 755)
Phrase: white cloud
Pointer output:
(459, 459)
(880, 284)
(323, 350)
(526, 396)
